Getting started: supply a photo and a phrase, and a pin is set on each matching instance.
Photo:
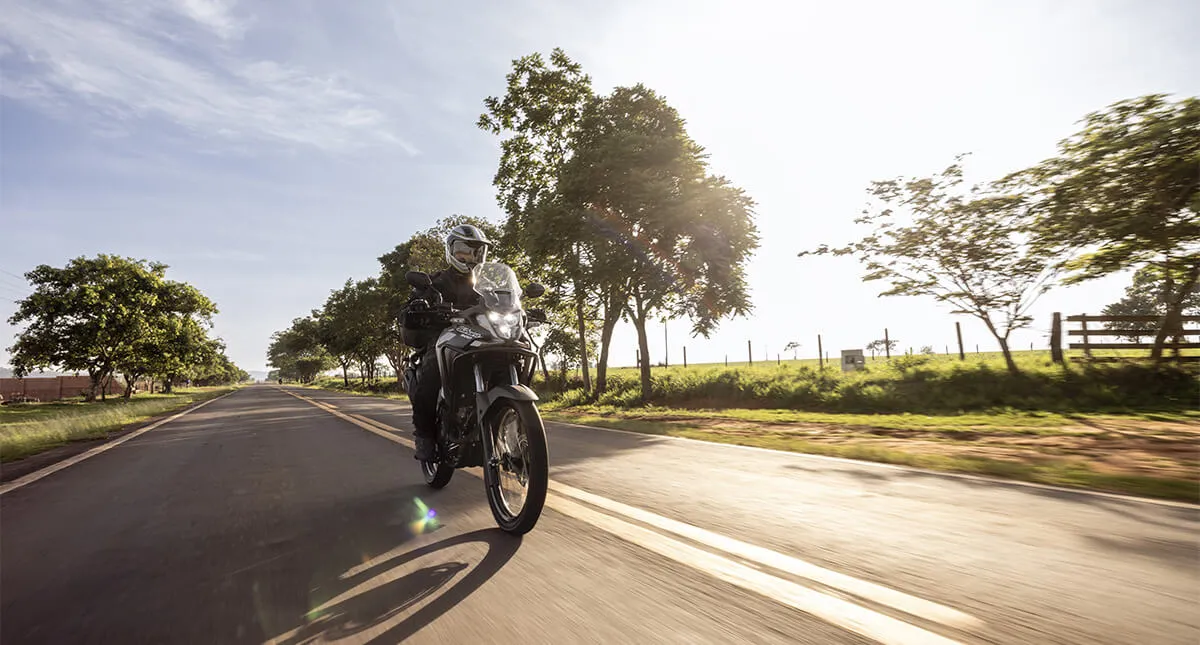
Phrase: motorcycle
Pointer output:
(487, 413)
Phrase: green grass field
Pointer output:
(30, 428)
(937, 385)
(1023, 357)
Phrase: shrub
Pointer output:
(917, 384)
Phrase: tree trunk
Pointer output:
(644, 347)
(542, 360)
(93, 384)
(582, 323)
(1004, 348)
(396, 360)
(345, 376)
(104, 386)
(612, 315)
(1171, 322)
(1008, 358)
(130, 379)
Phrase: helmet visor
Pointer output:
(469, 253)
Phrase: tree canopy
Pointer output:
(1124, 192)
(1148, 295)
(968, 249)
(109, 314)
(613, 198)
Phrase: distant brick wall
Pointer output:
(53, 388)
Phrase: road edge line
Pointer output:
(71, 461)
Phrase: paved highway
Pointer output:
(290, 515)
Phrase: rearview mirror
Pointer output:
(534, 290)
(418, 279)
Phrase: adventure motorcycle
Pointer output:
(487, 413)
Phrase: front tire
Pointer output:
(534, 459)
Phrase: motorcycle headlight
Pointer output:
(503, 325)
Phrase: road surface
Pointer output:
(289, 516)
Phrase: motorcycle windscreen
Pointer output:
(497, 286)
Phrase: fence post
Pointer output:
(59, 388)
(727, 360)
(685, 356)
(887, 344)
(962, 354)
(820, 353)
(778, 360)
(666, 347)
(749, 352)
(1087, 351)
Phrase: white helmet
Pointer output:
(466, 246)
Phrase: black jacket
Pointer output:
(455, 288)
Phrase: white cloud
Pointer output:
(132, 61)
(214, 15)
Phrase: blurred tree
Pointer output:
(970, 251)
(1124, 192)
(1149, 295)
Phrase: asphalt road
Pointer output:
(263, 517)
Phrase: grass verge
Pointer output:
(928, 385)
(1113, 454)
(386, 388)
(29, 428)
(1149, 454)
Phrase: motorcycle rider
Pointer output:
(466, 246)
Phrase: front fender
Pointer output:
(485, 400)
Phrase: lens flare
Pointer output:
(426, 518)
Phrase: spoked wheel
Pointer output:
(523, 466)
(437, 474)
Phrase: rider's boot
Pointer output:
(425, 448)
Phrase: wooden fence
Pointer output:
(1131, 330)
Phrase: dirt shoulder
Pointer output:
(1133, 456)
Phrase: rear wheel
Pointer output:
(438, 472)
(437, 475)
(522, 466)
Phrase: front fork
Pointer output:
(491, 463)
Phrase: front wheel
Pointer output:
(522, 466)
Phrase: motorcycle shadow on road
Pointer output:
(372, 602)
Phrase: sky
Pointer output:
(269, 151)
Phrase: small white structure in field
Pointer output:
(853, 360)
